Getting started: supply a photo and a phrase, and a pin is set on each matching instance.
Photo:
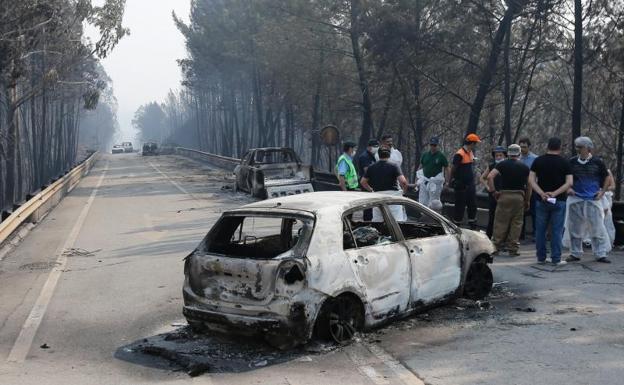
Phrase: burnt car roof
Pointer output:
(321, 201)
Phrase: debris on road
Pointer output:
(45, 346)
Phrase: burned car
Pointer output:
(150, 148)
(273, 172)
(309, 265)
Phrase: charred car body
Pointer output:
(150, 148)
(293, 267)
(273, 172)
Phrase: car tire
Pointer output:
(197, 327)
(479, 281)
(340, 319)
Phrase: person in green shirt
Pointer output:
(345, 169)
(433, 174)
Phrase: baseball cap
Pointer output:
(513, 150)
(498, 149)
(473, 138)
(435, 140)
(373, 143)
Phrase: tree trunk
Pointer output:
(578, 70)
(620, 149)
(488, 72)
(507, 88)
(367, 104)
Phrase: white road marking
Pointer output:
(364, 368)
(175, 184)
(25, 339)
(404, 374)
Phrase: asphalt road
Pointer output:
(92, 295)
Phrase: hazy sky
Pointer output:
(143, 66)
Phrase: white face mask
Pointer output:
(498, 160)
(374, 149)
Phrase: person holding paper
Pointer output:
(550, 178)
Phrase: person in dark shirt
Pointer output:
(513, 200)
(499, 154)
(585, 210)
(550, 178)
(383, 175)
(367, 158)
(463, 181)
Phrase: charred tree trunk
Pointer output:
(507, 88)
(367, 104)
(514, 6)
(577, 102)
(620, 150)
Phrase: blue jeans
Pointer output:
(545, 214)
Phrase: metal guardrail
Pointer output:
(35, 208)
(217, 160)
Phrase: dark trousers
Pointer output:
(492, 212)
(465, 197)
(531, 212)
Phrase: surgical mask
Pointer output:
(498, 160)
(375, 149)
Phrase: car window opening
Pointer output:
(257, 237)
(417, 223)
(367, 227)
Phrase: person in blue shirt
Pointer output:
(585, 210)
(528, 157)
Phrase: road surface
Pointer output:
(92, 295)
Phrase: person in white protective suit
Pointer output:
(432, 174)
(585, 211)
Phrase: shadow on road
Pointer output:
(184, 350)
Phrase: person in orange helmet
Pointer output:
(463, 181)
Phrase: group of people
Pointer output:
(569, 200)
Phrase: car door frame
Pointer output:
(417, 300)
(382, 306)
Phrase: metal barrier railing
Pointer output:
(35, 208)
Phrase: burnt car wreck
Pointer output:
(309, 265)
(272, 172)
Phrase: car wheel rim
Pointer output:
(343, 321)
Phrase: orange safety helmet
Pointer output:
(473, 138)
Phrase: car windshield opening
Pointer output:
(274, 156)
(259, 237)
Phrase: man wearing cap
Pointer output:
(463, 181)
(345, 169)
(432, 174)
(585, 210)
(513, 199)
(499, 154)
(367, 158)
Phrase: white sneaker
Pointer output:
(560, 263)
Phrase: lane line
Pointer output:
(405, 375)
(176, 184)
(24, 340)
(364, 368)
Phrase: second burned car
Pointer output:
(294, 267)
